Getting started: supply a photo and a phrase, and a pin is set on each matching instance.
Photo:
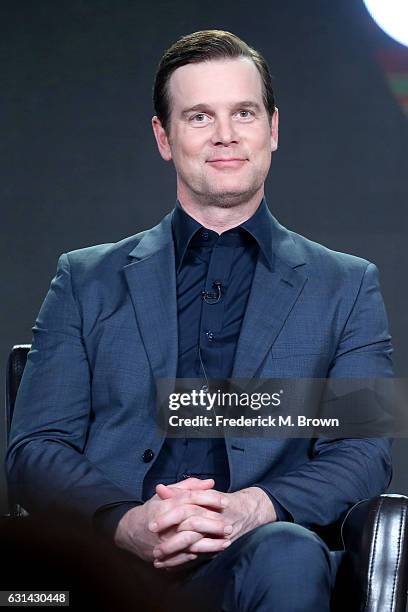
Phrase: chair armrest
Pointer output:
(375, 568)
(15, 368)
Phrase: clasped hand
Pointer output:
(190, 518)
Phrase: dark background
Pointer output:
(79, 164)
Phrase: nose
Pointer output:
(224, 132)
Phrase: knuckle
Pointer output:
(184, 513)
(209, 515)
(176, 560)
(193, 523)
(192, 510)
(198, 547)
(189, 538)
(183, 526)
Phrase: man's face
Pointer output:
(219, 136)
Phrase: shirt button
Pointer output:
(148, 455)
(210, 336)
(204, 235)
(186, 475)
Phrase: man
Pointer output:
(217, 290)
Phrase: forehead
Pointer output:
(215, 82)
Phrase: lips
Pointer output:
(226, 159)
(230, 162)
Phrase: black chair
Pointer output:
(374, 574)
(15, 368)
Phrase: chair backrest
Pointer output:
(15, 368)
(14, 372)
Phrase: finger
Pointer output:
(205, 498)
(165, 492)
(209, 545)
(204, 545)
(178, 514)
(210, 498)
(180, 542)
(167, 533)
(174, 561)
(205, 525)
(225, 530)
(168, 491)
(195, 483)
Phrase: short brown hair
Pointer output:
(204, 46)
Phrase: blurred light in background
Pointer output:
(391, 16)
(395, 66)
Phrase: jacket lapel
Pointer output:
(273, 294)
(151, 278)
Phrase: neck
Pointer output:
(221, 217)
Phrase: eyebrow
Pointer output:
(207, 109)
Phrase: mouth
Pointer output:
(231, 162)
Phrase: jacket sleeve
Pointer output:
(45, 461)
(344, 471)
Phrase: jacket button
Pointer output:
(148, 455)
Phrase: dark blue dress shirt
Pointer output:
(222, 265)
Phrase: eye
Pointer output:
(245, 114)
(199, 118)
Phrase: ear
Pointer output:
(275, 129)
(161, 139)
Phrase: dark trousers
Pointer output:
(279, 567)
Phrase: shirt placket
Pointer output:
(209, 346)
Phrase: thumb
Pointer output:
(165, 492)
(196, 484)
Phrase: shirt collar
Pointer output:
(259, 226)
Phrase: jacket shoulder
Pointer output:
(322, 258)
(99, 252)
(100, 259)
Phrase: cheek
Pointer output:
(189, 156)
(256, 142)
(264, 141)
(191, 142)
(264, 148)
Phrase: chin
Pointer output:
(228, 198)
